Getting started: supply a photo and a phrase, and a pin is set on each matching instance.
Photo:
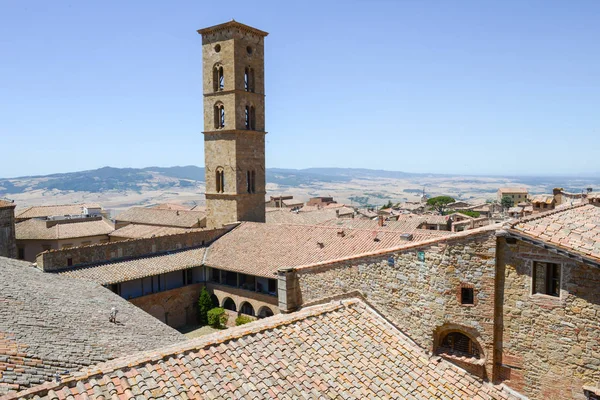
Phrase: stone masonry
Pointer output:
(234, 123)
(8, 242)
(422, 298)
(547, 347)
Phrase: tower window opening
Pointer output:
(252, 118)
(253, 182)
(218, 78)
(247, 117)
(219, 116)
(248, 182)
(220, 180)
(221, 79)
(249, 79)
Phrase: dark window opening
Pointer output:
(247, 309)
(247, 282)
(219, 112)
(249, 79)
(252, 118)
(229, 304)
(69, 262)
(247, 117)
(251, 181)
(460, 344)
(265, 312)
(546, 278)
(231, 278)
(215, 275)
(21, 253)
(466, 295)
(272, 286)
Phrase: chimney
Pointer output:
(380, 220)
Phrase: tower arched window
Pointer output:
(220, 180)
(460, 344)
(247, 117)
(218, 78)
(219, 112)
(249, 79)
(252, 118)
(251, 181)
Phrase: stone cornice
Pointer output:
(234, 91)
(232, 24)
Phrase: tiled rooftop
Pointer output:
(405, 224)
(121, 271)
(262, 249)
(51, 324)
(136, 231)
(37, 229)
(313, 217)
(513, 190)
(163, 217)
(341, 350)
(5, 204)
(575, 229)
(54, 210)
(542, 198)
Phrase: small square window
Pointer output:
(546, 278)
(467, 295)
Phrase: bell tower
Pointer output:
(234, 123)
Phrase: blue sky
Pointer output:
(469, 87)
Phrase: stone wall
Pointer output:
(175, 307)
(55, 260)
(422, 298)
(8, 243)
(548, 347)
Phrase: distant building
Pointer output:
(284, 202)
(320, 201)
(543, 202)
(37, 235)
(60, 211)
(516, 194)
(8, 243)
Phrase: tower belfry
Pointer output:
(234, 123)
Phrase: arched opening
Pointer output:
(249, 79)
(219, 115)
(218, 78)
(247, 309)
(265, 312)
(253, 182)
(229, 304)
(252, 120)
(220, 180)
(247, 117)
(457, 343)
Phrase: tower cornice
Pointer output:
(232, 24)
(240, 131)
(234, 91)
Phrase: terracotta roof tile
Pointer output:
(6, 204)
(162, 217)
(127, 270)
(54, 210)
(340, 350)
(512, 190)
(37, 229)
(262, 249)
(51, 324)
(575, 229)
(136, 231)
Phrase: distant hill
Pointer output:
(164, 178)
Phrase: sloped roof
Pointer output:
(405, 224)
(140, 267)
(136, 231)
(313, 217)
(54, 210)
(170, 206)
(542, 198)
(342, 350)
(6, 204)
(262, 249)
(513, 190)
(162, 217)
(37, 229)
(50, 324)
(575, 229)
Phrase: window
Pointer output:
(252, 118)
(251, 181)
(188, 276)
(467, 295)
(218, 78)
(546, 278)
(219, 112)
(459, 343)
(220, 180)
(69, 262)
(249, 79)
(21, 253)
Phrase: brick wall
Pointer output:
(175, 307)
(548, 347)
(422, 298)
(55, 260)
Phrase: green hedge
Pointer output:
(242, 319)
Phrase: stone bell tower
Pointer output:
(234, 123)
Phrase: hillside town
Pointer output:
(437, 298)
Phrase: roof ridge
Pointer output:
(544, 214)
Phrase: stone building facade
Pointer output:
(234, 123)
(420, 289)
(548, 346)
(8, 242)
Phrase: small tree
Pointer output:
(470, 213)
(439, 203)
(217, 317)
(388, 205)
(507, 202)
(205, 303)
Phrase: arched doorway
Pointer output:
(459, 344)
(229, 304)
(265, 312)
(247, 309)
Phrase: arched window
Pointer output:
(220, 180)
(218, 78)
(229, 304)
(459, 343)
(247, 309)
(265, 312)
(247, 116)
(252, 118)
(253, 182)
(219, 115)
(249, 79)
